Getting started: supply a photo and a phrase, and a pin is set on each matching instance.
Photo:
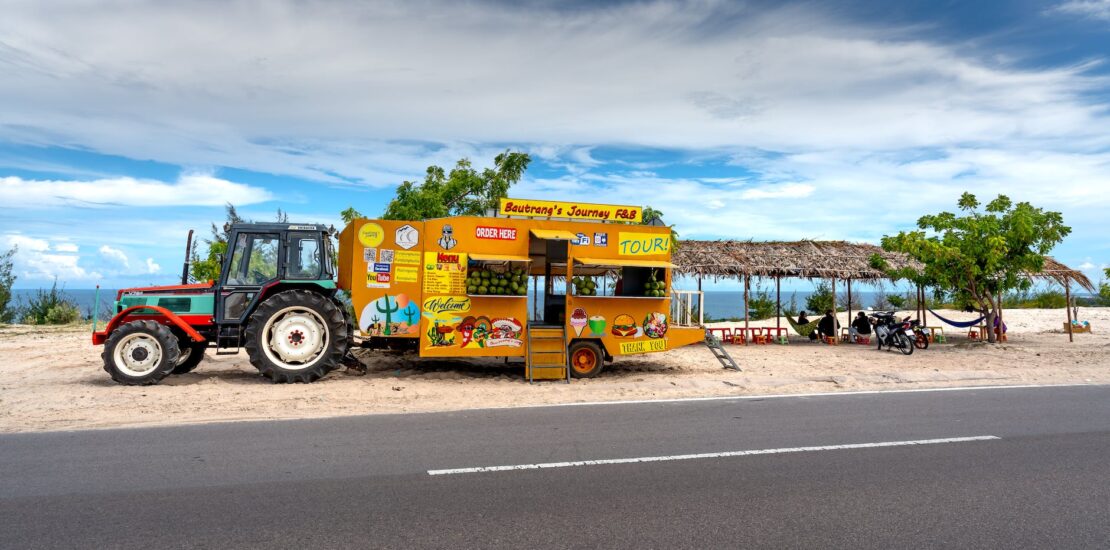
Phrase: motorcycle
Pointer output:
(892, 333)
(920, 337)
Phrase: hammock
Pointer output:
(959, 324)
(803, 330)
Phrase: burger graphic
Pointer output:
(624, 326)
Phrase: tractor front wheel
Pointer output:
(296, 336)
(140, 353)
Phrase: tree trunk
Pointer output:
(992, 314)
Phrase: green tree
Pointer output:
(462, 192)
(821, 300)
(350, 214)
(7, 279)
(651, 215)
(1104, 290)
(980, 253)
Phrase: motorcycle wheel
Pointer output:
(920, 340)
(903, 343)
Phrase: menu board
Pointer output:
(445, 273)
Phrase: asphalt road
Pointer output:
(364, 481)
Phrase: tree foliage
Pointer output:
(980, 253)
(463, 191)
(7, 279)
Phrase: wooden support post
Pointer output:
(836, 333)
(924, 308)
(747, 287)
(1067, 304)
(849, 300)
(778, 302)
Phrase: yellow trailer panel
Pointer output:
(423, 280)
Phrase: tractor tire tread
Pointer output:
(196, 355)
(338, 339)
(165, 338)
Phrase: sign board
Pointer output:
(573, 210)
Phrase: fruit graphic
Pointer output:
(597, 325)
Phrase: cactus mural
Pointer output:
(389, 310)
(374, 322)
(412, 314)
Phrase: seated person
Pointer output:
(861, 326)
(828, 325)
(803, 320)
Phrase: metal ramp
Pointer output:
(547, 353)
(714, 345)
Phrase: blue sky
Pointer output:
(125, 123)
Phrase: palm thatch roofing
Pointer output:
(729, 259)
(803, 259)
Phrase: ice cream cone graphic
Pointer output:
(578, 320)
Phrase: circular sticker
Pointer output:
(371, 234)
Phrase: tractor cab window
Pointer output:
(303, 261)
(254, 260)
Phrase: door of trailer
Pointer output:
(549, 251)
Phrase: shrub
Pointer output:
(762, 304)
(821, 300)
(7, 279)
(50, 307)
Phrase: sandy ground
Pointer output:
(52, 378)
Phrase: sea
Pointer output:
(718, 304)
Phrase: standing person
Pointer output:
(861, 326)
(828, 325)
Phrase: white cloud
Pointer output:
(1095, 9)
(338, 92)
(189, 189)
(66, 247)
(1086, 266)
(152, 267)
(64, 267)
(27, 244)
(784, 191)
(114, 254)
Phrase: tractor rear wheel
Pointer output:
(140, 353)
(192, 353)
(297, 336)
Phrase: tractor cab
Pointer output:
(262, 255)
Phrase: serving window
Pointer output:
(632, 278)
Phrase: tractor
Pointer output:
(276, 297)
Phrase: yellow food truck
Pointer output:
(459, 286)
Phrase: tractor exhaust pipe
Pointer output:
(188, 257)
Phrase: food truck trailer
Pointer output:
(459, 286)
(451, 287)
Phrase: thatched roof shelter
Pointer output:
(1056, 271)
(807, 259)
(726, 259)
(803, 259)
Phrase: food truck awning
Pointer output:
(554, 234)
(499, 258)
(624, 262)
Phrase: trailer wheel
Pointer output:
(296, 336)
(140, 353)
(192, 353)
(585, 359)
